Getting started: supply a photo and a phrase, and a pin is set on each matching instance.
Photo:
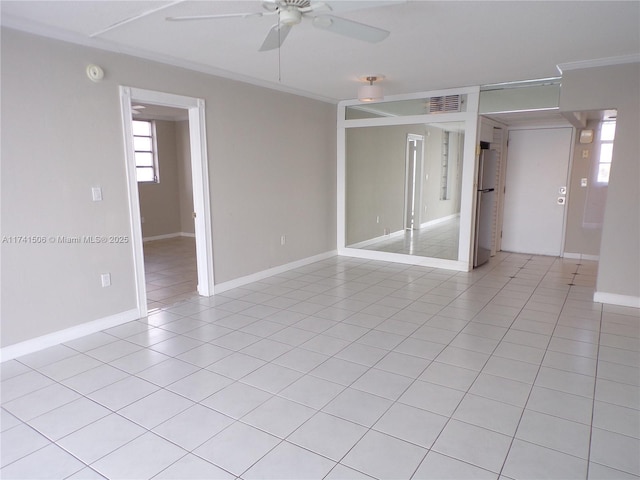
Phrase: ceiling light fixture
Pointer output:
(370, 92)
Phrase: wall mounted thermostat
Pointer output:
(95, 73)
(586, 136)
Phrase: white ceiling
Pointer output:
(432, 45)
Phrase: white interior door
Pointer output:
(537, 167)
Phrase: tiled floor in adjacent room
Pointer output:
(344, 369)
(170, 270)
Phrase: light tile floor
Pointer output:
(344, 369)
(170, 271)
(437, 241)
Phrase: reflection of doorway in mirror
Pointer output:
(413, 181)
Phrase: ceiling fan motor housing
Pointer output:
(290, 16)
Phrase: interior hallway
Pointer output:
(344, 368)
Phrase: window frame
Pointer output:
(154, 151)
(609, 160)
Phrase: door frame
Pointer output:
(199, 178)
(417, 185)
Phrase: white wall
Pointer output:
(271, 159)
(618, 87)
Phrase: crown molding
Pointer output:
(598, 62)
(40, 30)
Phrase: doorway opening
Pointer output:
(165, 191)
(197, 160)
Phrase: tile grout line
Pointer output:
(595, 386)
(524, 408)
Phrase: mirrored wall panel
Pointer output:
(403, 188)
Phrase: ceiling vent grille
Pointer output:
(448, 103)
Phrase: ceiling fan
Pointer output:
(291, 12)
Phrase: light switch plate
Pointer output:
(583, 182)
(96, 194)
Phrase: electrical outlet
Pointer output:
(106, 279)
(585, 153)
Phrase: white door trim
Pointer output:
(417, 186)
(200, 179)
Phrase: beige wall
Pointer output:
(185, 183)
(585, 208)
(160, 202)
(272, 160)
(167, 206)
(616, 87)
(375, 180)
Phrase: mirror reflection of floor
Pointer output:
(437, 241)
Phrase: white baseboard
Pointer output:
(432, 262)
(616, 299)
(49, 340)
(254, 277)
(45, 341)
(371, 241)
(168, 235)
(399, 233)
(436, 221)
(580, 256)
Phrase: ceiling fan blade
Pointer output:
(275, 37)
(210, 17)
(349, 28)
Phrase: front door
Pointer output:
(537, 169)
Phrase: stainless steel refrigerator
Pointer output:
(485, 206)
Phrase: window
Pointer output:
(607, 134)
(145, 152)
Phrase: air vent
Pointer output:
(449, 103)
